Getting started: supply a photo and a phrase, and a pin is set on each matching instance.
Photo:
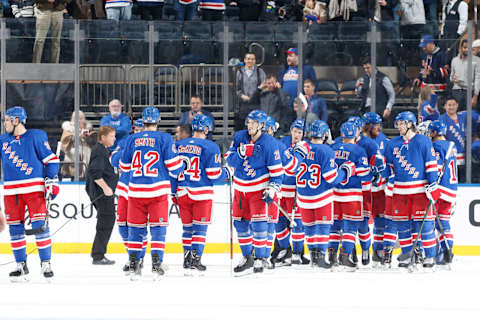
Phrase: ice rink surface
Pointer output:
(81, 290)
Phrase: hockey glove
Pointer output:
(175, 199)
(270, 192)
(302, 148)
(228, 172)
(245, 150)
(349, 168)
(52, 188)
(378, 163)
(432, 191)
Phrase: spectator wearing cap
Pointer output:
(196, 105)
(454, 19)
(249, 79)
(435, 67)
(384, 91)
(412, 19)
(459, 76)
(288, 76)
(476, 47)
(117, 120)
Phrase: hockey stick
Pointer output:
(230, 178)
(285, 213)
(43, 228)
(442, 232)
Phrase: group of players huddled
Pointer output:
(304, 187)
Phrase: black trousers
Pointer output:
(151, 12)
(212, 15)
(105, 221)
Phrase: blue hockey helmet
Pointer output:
(348, 130)
(371, 118)
(406, 116)
(138, 123)
(271, 123)
(438, 126)
(299, 124)
(17, 112)
(318, 129)
(357, 120)
(150, 115)
(200, 122)
(257, 115)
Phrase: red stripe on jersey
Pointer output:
(44, 243)
(173, 164)
(162, 186)
(252, 183)
(23, 185)
(317, 199)
(18, 244)
(409, 186)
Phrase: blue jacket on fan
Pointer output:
(121, 124)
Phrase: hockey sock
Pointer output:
(199, 237)
(135, 240)
(364, 234)
(244, 235)
(310, 237)
(448, 233)
(298, 236)
(404, 235)
(18, 242)
(157, 244)
(334, 238)
(44, 242)
(283, 233)
(322, 233)
(187, 237)
(378, 230)
(144, 244)
(270, 235)
(428, 237)
(349, 235)
(123, 230)
(259, 229)
(390, 233)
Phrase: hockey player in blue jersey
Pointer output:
(258, 172)
(150, 157)
(447, 162)
(30, 172)
(317, 176)
(348, 196)
(294, 144)
(412, 159)
(290, 163)
(194, 189)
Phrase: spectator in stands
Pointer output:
(98, 9)
(316, 104)
(183, 131)
(274, 101)
(288, 76)
(49, 16)
(314, 12)
(431, 15)
(119, 9)
(291, 10)
(250, 10)
(150, 9)
(388, 26)
(435, 67)
(384, 91)
(351, 10)
(476, 47)
(117, 120)
(412, 19)
(454, 19)
(458, 76)
(249, 78)
(427, 105)
(85, 144)
(185, 10)
(212, 10)
(196, 105)
(80, 9)
(22, 8)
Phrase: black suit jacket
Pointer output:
(100, 167)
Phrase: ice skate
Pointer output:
(284, 258)
(377, 258)
(258, 265)
(429, 265)
(187, 263)
(387, 257)
(134, 268)
(157, 268)
(319, 261)
(446, 260)
(126, 268)
(196, 264)
(365, 257)
(346, 260)
(46, 270)
(332, 257)
(20, 274)
(267, 264)
(244, 267)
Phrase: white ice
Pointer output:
(83, 291)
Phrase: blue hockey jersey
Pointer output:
(290, 164)
(150, 157)
(449, 181)
(317, 176)
(205, 168)
(122, 186)
(263, 167)
(381, 141)
(428, 109)
(413, 163)
(26, 161)
(289, 179)
(352, 191)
